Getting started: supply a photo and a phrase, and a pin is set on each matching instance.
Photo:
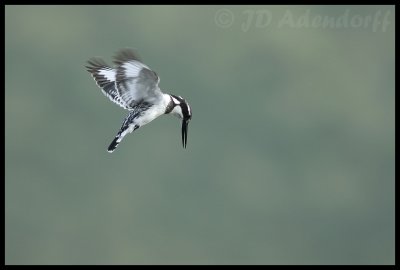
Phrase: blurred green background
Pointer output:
(290, 156)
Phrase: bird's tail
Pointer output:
(121, 134)
(114, 143)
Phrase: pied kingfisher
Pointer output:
(134, 86)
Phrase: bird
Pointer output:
(135, 87)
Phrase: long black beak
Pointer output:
(184, 132)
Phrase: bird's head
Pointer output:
(183, 111)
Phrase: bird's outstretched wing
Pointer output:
(105, 77)
(135, 82)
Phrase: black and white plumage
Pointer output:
(134, 86)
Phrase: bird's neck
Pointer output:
(169, 103)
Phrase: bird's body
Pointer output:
(134, 86)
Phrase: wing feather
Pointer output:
(135, 81)
(129, 83)
(105, 77)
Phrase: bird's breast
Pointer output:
(150, 115)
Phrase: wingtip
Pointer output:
(126, 54)
(92, 65)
